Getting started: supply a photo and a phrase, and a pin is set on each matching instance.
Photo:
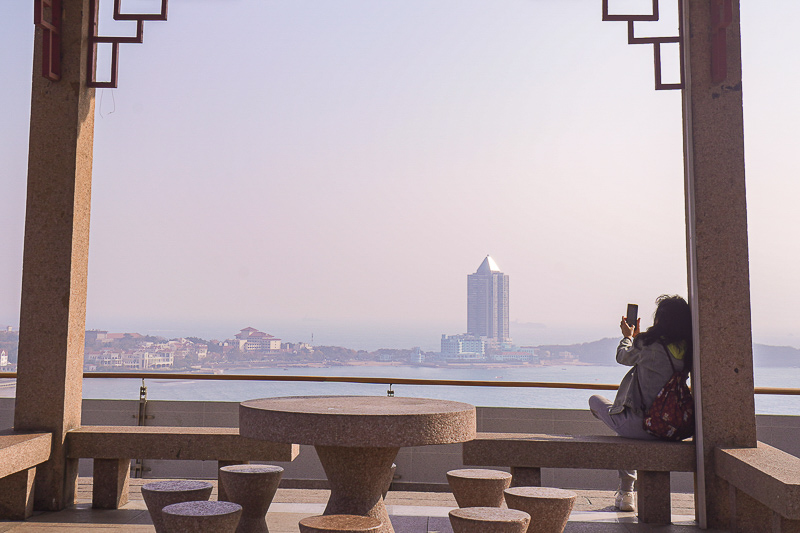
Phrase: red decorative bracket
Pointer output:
(721, 18)
(655, 41)
(94, 39)
(51, 37)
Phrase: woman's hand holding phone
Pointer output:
(628, 331)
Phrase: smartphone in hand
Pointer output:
(632, 314)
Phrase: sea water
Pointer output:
(237, 391)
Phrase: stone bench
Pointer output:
(765, 487)
(113, 447)
(20, 452)
(527, 453)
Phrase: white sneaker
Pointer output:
(624, 501)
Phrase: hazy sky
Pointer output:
(299, 165)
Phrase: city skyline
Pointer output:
(341, 169)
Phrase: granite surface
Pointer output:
(361, 421)
(489, 520)
(253, 487)
(549, 508)
(201, 517)
(22, 450)
(474, 487)
(574, 451)
(160, 494)
(166, 442)
(339, 524)
(766, 474)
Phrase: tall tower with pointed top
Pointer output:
(487, 302)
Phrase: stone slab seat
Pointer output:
(764, 487)
(113, 447)
(527, 453)
(20, 452)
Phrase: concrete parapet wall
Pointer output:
(420, 467)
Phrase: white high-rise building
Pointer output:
(487, 302)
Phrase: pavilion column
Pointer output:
(53, 306)
(719, 279)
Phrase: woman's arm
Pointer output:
(627, 354)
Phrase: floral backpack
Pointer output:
(671, 416)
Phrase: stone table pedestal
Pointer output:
(357, 438)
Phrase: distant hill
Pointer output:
(596, 352)
(782, 356)
(602, 353)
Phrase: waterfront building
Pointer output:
(252, 340)
(487, 302)
(463, 347)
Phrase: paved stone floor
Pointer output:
(410, 512)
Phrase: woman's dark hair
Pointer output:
(672, 323)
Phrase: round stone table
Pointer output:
(357, 438)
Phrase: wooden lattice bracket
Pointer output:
(655, 41)
(94, 39)
(51, 36)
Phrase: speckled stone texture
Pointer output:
(488, 520)
(717, 247)
(765, 474)
(363, 421)
(111, 478)
(578, 451)
(549, 508)
(55, 258)
(201, 517)
(112, 446)
(22, 450)
(252, 487)
(16, 495)
(653, 459)
(389, 480)
(339, 524)
(357, 477)
(357, 438)
(166, 442)
(163, 493)
(473, 487)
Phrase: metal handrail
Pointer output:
(378, 381)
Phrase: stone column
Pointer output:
(53, 307)
(719, 282)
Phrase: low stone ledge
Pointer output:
(166, 442)
(22, 450)
(766, 474)
(573, 451)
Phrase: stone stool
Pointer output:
(549, 508)
(339, 523)
(489, 520)
(252, 487)
(474, 487)
(162, 493)
(201, 517)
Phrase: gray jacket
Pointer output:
(651, 370)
